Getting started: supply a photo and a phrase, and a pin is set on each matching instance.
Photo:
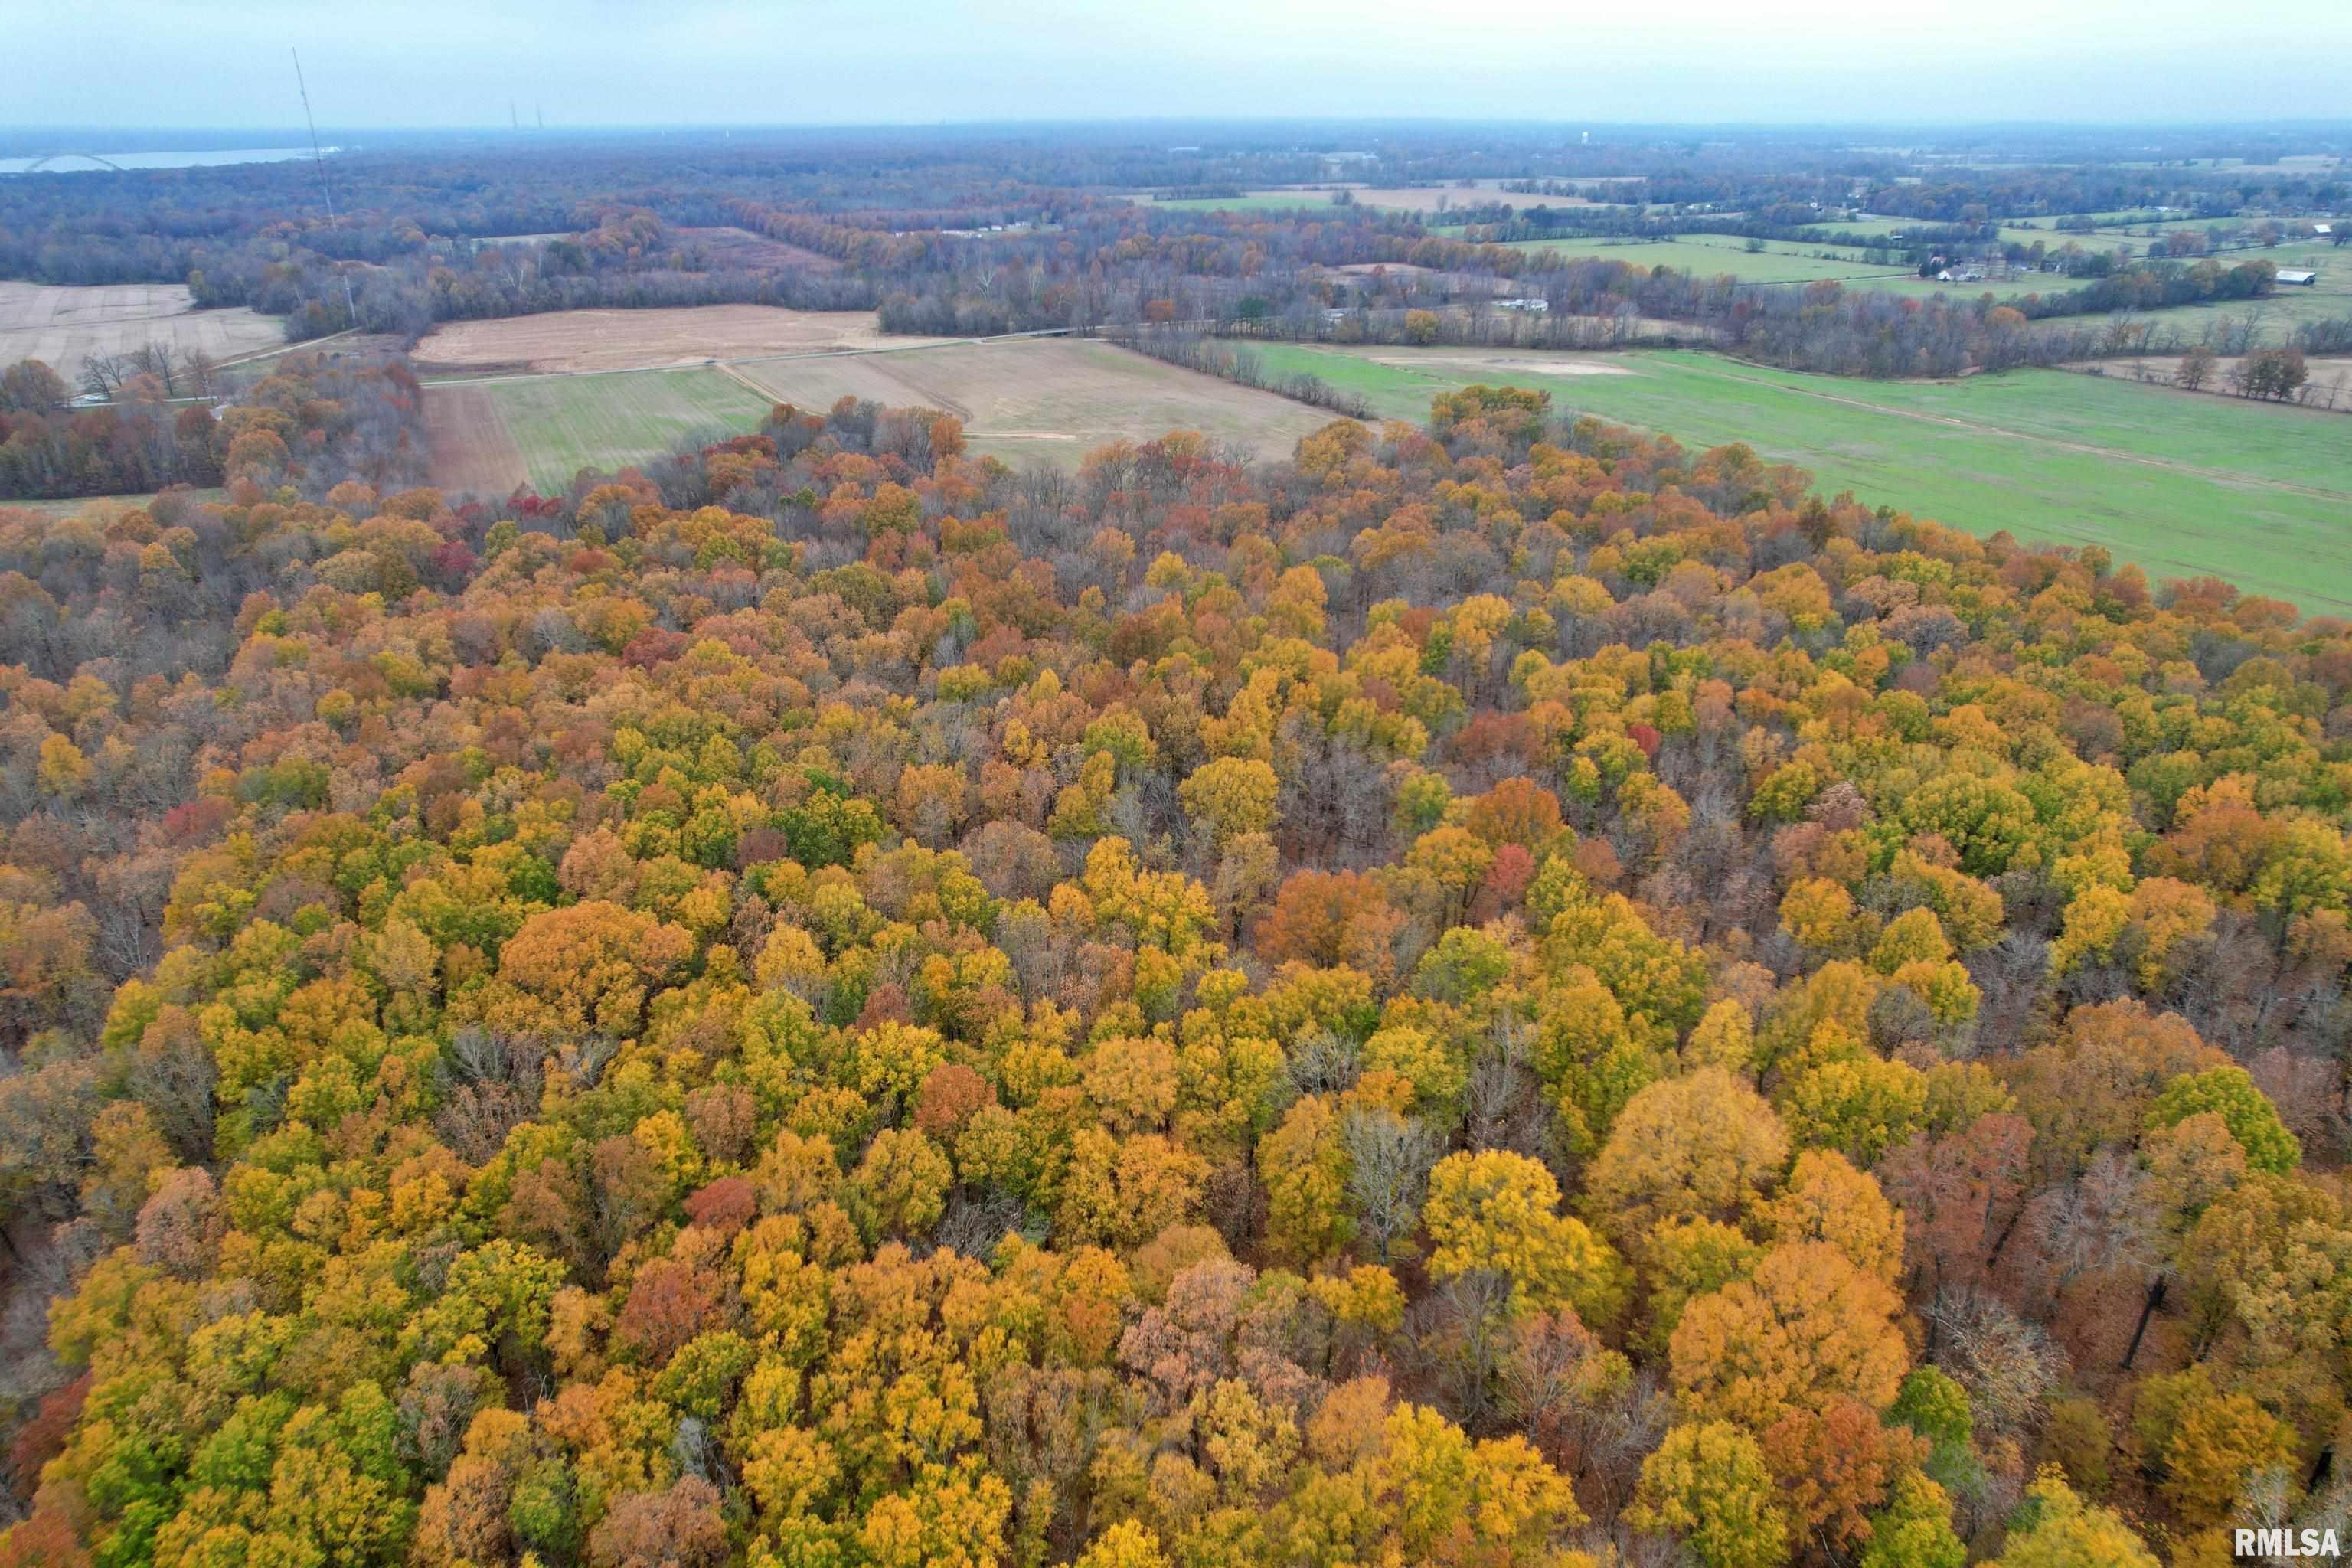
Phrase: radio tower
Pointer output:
(326, 186)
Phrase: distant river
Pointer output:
(77, 162)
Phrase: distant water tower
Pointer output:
(1584, 138)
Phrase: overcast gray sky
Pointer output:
(450, 63)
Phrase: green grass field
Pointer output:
(2025, 231)
(2056, 238)
(1784, 262)
(2132, 235)
(2289, 306)
(2122, 214)
(1726, 249)
(1787, 248)
(1712, 255)
(1871, 225)
(2180, 483)
(563, 424)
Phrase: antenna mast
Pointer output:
(326, 186)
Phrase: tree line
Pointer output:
(306, 416)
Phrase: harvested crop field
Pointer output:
(1050, 398)
(556, 425)
(63, 326)
(472, 448)
(634, 340)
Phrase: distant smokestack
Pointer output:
(512, 118)
(541, 110)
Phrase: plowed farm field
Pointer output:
(487, 437)
(635, 339)
(472, 448)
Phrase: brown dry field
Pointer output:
(63, 326)
(2326, 372)
(632, 340)
(471, 447)
(1050, 398)
(104, 508)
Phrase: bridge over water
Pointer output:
(45, 158)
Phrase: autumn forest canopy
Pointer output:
(1498, 991)
(1491, 990)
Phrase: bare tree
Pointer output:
(2196, 369)
(2097, 1222)
(2005, 1362)
(201, 374)
(1389, 1157)
(1465, 1330)
(158, 361)
(1603, 1440)
(101, 375)
(2240, 333)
